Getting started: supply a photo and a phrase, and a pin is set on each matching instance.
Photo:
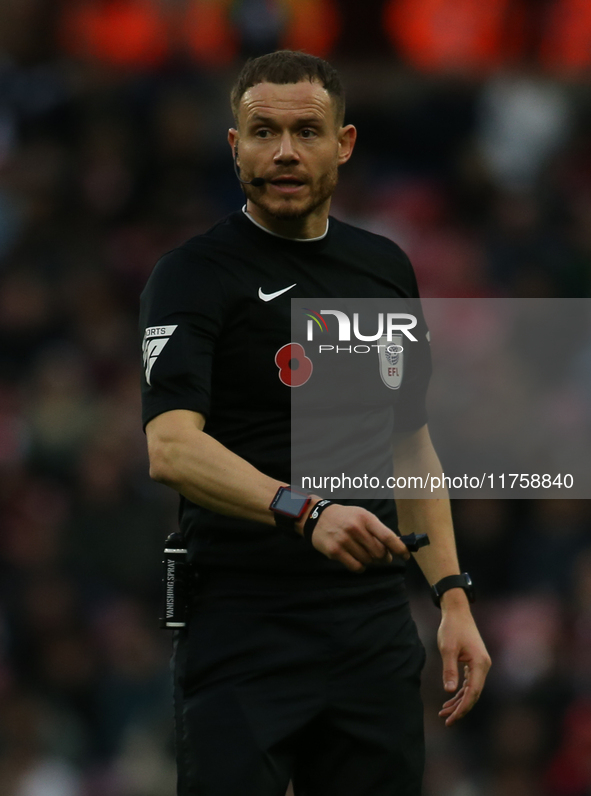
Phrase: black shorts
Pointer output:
(316, 685)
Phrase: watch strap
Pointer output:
(463, 581)
(284, 523)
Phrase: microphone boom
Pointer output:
(256, 182)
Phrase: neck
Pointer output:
(311, 226)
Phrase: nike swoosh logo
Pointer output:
(271, 296)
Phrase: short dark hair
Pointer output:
(289, 66)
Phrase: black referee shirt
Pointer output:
(209, 346)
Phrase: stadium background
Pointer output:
(474, 154)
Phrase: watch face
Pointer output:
(290, 503)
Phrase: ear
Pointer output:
(233, 140)
(346, 137)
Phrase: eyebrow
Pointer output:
(308, 120)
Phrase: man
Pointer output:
(299, 660)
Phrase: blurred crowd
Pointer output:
(113, 116)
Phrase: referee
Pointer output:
(300, 659)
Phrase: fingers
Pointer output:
(387, 537)
(451, 706)
(378, 553)
(450, 669)
(460, 706)
(449, 709)
(385, 560)
(353, 555)
(352, 551)
(351, 562)
(358, 552)
(375, 548)
(349, 534)
(468, 695)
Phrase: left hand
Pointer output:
(460, 643)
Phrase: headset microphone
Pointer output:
(256, 181)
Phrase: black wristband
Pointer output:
(463, 581)
(313, 518)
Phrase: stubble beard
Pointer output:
(285, 212)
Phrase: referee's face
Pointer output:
(288, 134)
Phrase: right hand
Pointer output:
(356, 538)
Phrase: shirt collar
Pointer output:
(284, 237)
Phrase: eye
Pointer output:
(308, 132)
(263, 133)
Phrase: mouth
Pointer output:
(287, 184)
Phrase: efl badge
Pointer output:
(391, 358)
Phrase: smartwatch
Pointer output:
(289, 506)
(463, 581)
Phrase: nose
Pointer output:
(286, 153)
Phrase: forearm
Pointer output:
(432, 516)
(201, 469)
(439, 558)
(458, 638)
(204, 471)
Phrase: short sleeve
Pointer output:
(182, 311)
(411, 406)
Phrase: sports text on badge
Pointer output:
(155, 338)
